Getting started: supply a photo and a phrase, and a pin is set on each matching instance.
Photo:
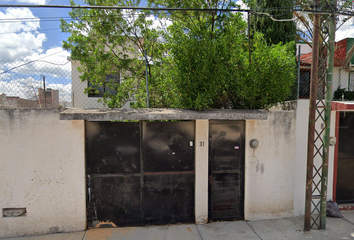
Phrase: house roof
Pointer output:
(341, 49)
(305, 60)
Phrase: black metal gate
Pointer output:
(345, 165)
(140, 173)
(226, 170)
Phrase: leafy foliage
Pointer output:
(212, 68)
(200, 61)
(274, 31)
(108, 42)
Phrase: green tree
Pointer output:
(211, 69)
(200, 61)
(274, 31)
(113, 42)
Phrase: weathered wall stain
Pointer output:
(42, 170)
(54, 229)
(77, 124)
(270, 168)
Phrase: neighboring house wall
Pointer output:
(302, 120)
(342, 79)
(300, 167)
(42, 169)
(305, 48)
(79, 99)
(82, 100)
(269, 173)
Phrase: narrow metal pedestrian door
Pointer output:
(226, 170)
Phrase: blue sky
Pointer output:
(49, 27)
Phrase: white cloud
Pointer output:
(21, 42)
(52, 63)
(26, 41)
(27, 88)
(39, 2)
(346, 31)
(243, 6)
(159, 23)
(24, 62)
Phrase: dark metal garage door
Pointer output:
(140, 173)
(226, 170)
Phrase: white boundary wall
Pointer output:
(42, 169)
(269, 173)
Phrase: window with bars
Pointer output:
(104, 87)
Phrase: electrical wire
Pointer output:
(37, 60)
(285, 8)
(42, 29)
(158, 9)
(276, 20)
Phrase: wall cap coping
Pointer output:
(160, 114)
(342, 106)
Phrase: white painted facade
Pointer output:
(201, 171)
(269, 173)
(303, 47)
(42, 169)
(80, 99)
(342, 79)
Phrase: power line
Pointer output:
(64, 17)
(294, 8)
(40, 29)
(123, 8)
(155, 8)
(297, 9)
(37, 60)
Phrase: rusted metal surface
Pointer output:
(312, 117)
(112, 147)
(169, 198)
(113, 173)
(327, 118)
(226, 170)
(345, 167)
(139, 173)
(168, 146)
(168, 153)
(116, 199)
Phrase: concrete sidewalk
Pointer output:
(286, 228)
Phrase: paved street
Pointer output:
(287, 228)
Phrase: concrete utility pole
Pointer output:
(327, 118)
(312, 116)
